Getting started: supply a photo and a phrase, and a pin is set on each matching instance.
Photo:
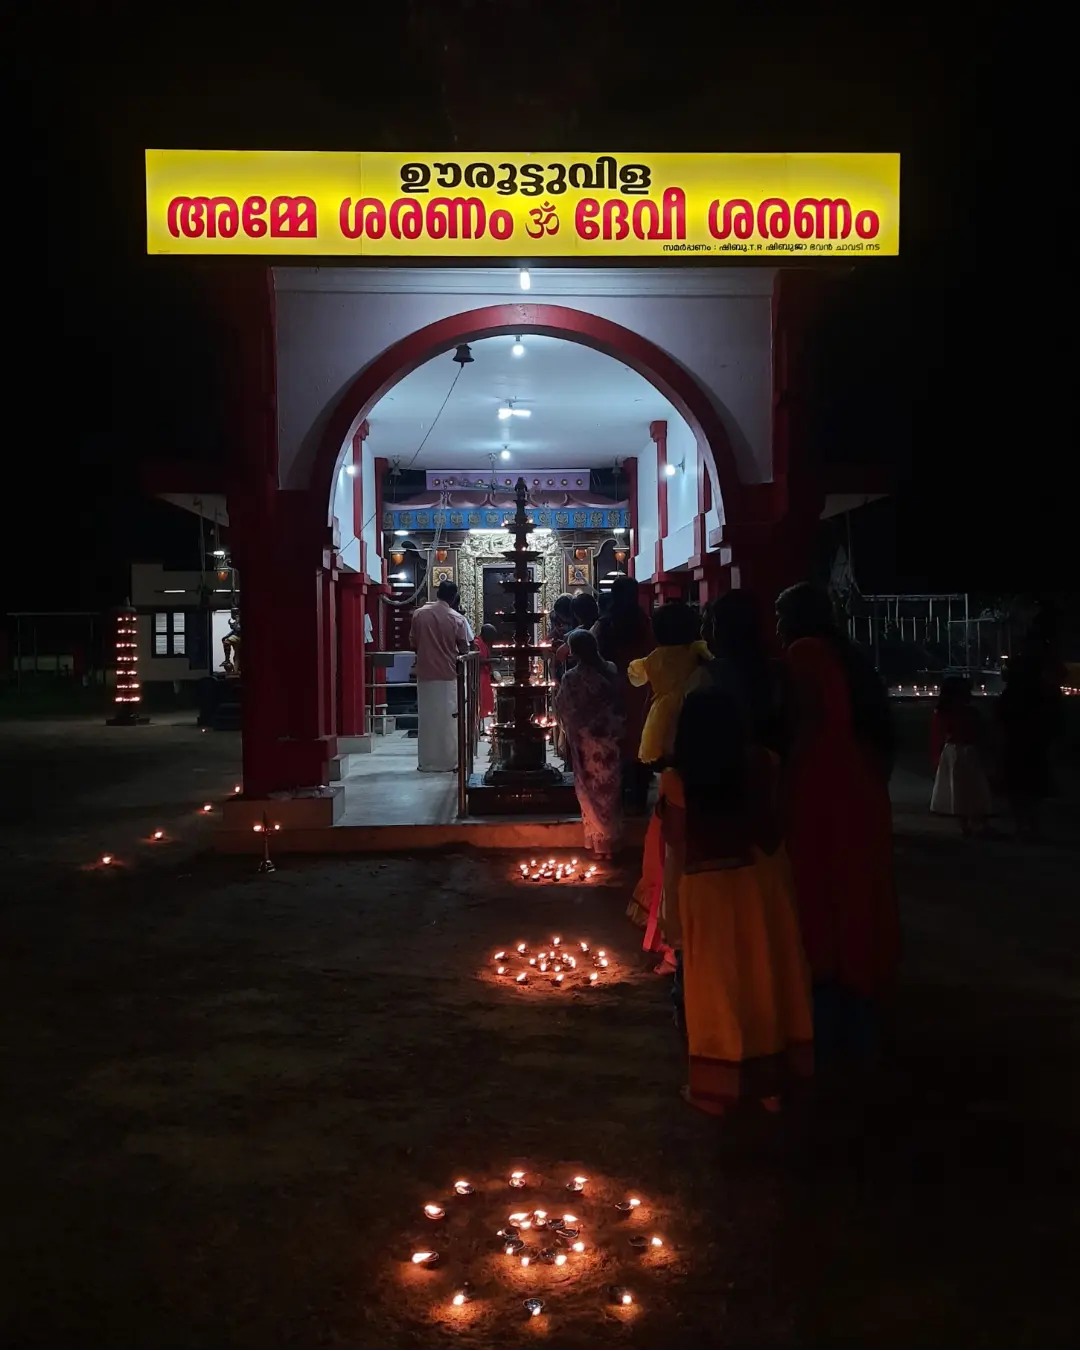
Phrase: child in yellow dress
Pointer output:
(667, 669)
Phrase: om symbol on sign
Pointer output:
(545, 221)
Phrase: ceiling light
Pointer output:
(401, 532)
(518, 349)
(504, 454)
(524, 279)
(669, 470)
(508, 411)
(350, 469)
(618, 530)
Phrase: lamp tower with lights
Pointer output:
(127, 701)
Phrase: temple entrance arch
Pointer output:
(662, 371)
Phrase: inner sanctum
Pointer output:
(457, 443)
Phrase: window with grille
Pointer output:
(170, 634)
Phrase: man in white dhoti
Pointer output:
(438, 635)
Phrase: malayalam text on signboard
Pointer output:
(519, 206)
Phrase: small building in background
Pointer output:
(184, 615)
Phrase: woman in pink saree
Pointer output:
(587, 707)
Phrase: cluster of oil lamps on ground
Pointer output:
(160, 836)
(557, 1236)
(550, 870)
(554, 964)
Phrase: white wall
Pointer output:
(348, 543)
(332, 323)
(647, 519)
(371, 527)
(682, 494)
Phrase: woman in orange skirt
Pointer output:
(746, 985)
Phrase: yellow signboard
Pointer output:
(520, 206)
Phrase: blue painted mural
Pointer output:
(492, 518)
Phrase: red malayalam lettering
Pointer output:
(615, 219)
(209, 217)
(441, 218)
(812, 218)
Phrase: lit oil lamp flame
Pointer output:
(535, 1307)
(525, 1260)
(158, 835)
(601, 953)
(626, 1297)
(521, 947)
(560, 1259)
(463, 1188)
(593, 977)
(569, 1219)
(656, 1242)
(423, 1259)
(434, 1212)
(558, 980)
(555, 942)
(499, 956)
(517, 1179)
(257, 827)
(520, 980)
(603, 961)
(576, 1184)
(500, 970)
(518, 1216)
(106, 858)
(578, 1246)
(459, 1299)
(208, 807)
(584, 947)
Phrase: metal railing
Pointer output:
(468, 723)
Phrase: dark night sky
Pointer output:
(903, 379)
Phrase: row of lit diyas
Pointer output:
(557, 960)
(539, 870)
(160, 836)
(564, 1230)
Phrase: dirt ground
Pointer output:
(230, 1095)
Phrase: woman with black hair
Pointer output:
(731, 625)
(624, 635)
(745, 983)
(587, 706)
(838, 822)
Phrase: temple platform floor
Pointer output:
(390, 805)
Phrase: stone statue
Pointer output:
(231, 645)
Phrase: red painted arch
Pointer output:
(555, 321)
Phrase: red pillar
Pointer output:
(631, 471)
(661, 589)
(352, 598)
(328, 612)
